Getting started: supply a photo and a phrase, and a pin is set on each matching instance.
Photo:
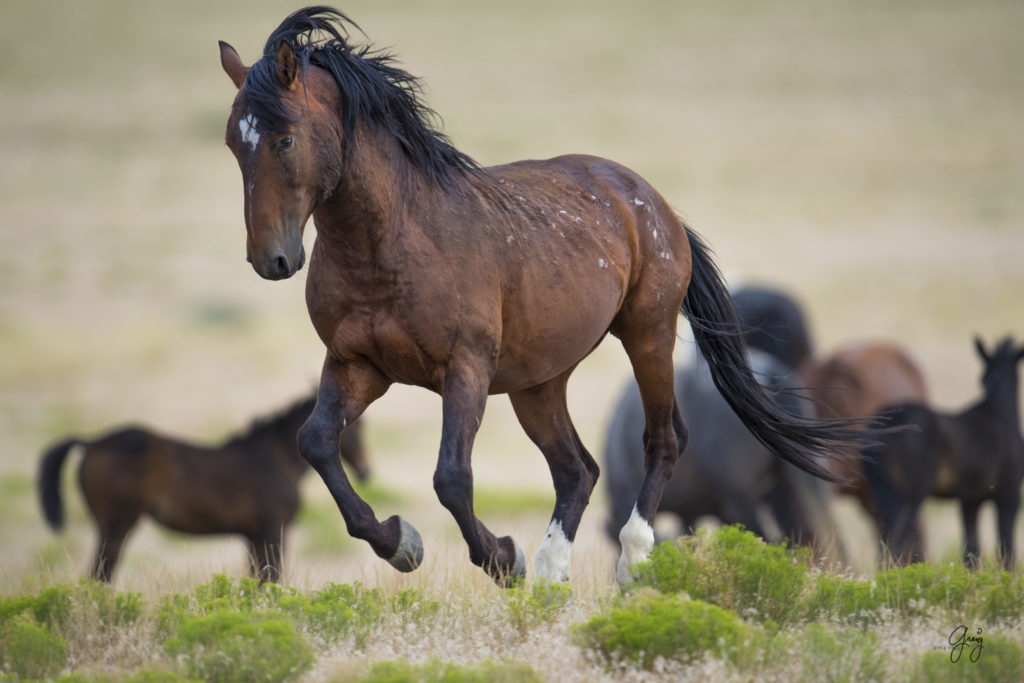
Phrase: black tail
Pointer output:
(49, 482)
(799, 440)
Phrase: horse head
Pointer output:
(282, 139)
(1000, 365)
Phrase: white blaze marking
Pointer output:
(250, 135)
(637, 540)
(554, 557)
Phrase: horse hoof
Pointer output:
(409, 554)
(506, 577)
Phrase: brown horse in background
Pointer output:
(432, 271)
(856, 381)
(249, 485)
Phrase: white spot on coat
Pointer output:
(250, 135)
(637, 201)
(601, 262)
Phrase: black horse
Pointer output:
(973, 456)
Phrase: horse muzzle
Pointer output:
(278, 264)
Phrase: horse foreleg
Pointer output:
(463, 398)
(972, 548)
(544, 416)
(1007, 506)
(266, 557)
(345, 391)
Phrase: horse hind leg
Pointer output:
(108, 550)
(665, 436)
(544, 416)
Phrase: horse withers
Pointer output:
(249, 485)
(974, 456)
(430, 270)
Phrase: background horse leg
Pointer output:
(345, 391)
(463, 401)
(544, 416)
(108, 550)
(972, 548)
(1007, 505)
(266, 557)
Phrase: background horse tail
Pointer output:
(49, 481)
(717, 331)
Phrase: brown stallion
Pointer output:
(432, 271)
(249, 485)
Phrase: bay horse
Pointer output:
(974, 456)
(724, 472)
(856, 381)
(431, 270)
(248, 485)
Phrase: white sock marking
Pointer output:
(553, 559)
(637, 539)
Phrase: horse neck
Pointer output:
(1002, 402)
(377, 191)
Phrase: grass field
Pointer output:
(867, 156)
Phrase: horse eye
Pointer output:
(286, 143)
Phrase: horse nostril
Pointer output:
(281, 266)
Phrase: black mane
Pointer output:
(373, 90)
(284, 422)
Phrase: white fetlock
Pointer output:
(637, 540)
(554, 558)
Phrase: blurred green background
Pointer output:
(867, 156)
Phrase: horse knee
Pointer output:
(451, 485)
(315, 439)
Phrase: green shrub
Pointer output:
(852, 601)
(52, 606)
(999, 660)
(411, 605)
(229, 645)
(648, 625)
(840, 656)
(30, 649)
(337, 611)
(539, 604)
(487, 671)
(731, 568)
(112, 609)
(221, 593)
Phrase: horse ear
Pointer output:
(232, 64)
(287, 72)
(980, 347)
